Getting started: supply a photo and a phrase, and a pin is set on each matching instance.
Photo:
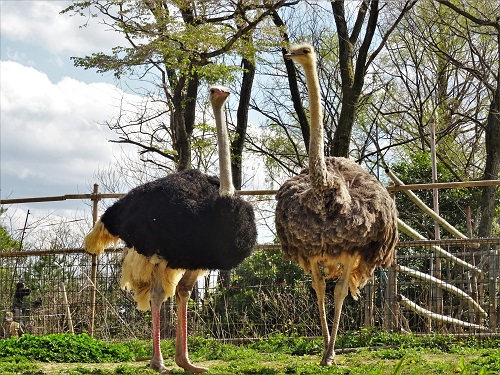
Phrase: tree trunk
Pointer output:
(342, 135)
(190, 104)
(294, 88)
(352, 73)
(183, 118)
(242, 122)
(492, 144)
(492, 166)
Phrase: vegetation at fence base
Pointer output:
(66, 348)
(378, 353)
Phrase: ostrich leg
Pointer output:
(156, 300)
(182, 294)
(319, 286)
(339, 294)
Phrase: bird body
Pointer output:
(321, 228)
(186, 221)
(334, 219)
(175, 229)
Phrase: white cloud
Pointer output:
(40, 23)
(50, 131)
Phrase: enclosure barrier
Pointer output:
(71, 291)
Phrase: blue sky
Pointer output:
(51, 138)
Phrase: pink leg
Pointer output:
(182, 294)
(339, 295)
(319, 286)
(157, 296)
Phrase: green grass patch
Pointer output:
(376, 354)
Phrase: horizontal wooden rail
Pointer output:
(106, 195)
(443, 185)
(451, 242)
(392, 188)
(6, 253)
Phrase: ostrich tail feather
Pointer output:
(98, 239)
(140, 272)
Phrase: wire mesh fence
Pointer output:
(445, 286)
(426, 291)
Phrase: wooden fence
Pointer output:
(84, 296)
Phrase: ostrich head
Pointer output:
(303, 54)
(218, 95)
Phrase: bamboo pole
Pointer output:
(492, 288)
(403, 227)
(67, 308)
(440, 318)
(369, 300)
(391, 300)
(437, 235)
(61, 198)
(55, 198)
(443, 285)
(438, 219)
(7, 253)
(472, 284)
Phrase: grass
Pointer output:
(377, 354)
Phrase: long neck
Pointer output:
(317, 167)
(226, 177)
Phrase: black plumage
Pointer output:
(185, 221)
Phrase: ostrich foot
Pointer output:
(158, 365)
(327, 360)
(188, 366)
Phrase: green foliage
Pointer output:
(63, 348)
(268, 268)
(210, 349)
(453, 203)
(263, 286)
(288, 344)
(6, 241)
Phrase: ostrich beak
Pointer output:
(290, 55)
(219, 91)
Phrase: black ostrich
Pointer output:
(175, 229)
(334, 219)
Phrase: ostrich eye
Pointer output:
(306, 51)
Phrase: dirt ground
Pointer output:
(56, 368)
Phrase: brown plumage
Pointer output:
(334, 219)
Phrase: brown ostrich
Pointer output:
(334, 219)
(175, 229)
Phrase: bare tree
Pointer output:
(478, 25)
(356, 54)
(165, 47)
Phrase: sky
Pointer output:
(52, 141)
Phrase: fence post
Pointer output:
(369, 304)
(492, 281)
(392, 305)
(93, 276)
